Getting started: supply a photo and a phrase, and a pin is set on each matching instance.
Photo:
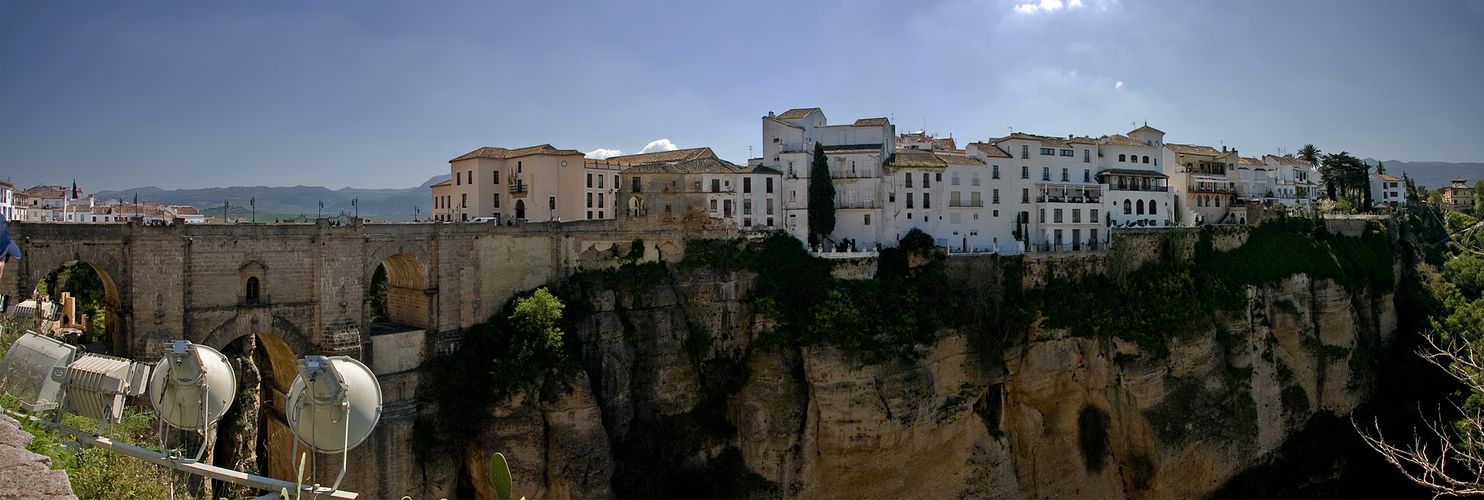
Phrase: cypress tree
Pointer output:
(821, 198)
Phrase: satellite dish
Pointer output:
(334, 403)
(193, 386)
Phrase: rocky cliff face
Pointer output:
(679, 399)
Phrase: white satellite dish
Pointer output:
(334, 403)
(193, 386)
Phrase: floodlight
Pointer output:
(27, 370)
(97, 385)
(193, 386)
(333, 405)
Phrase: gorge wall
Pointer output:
(683, 394)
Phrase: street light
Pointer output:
(254, 202)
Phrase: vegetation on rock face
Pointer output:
(515, 350)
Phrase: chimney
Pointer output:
(770, 114)
(1223, 148)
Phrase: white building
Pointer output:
(1066, 203)
(1137, 190)
(7, 201)
(1204, 187)
(1387, 190)
(855, 153)
(1295, 181)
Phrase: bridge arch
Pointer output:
(408, 283)
(41, 261)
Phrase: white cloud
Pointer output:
(601, 153)
(1049, 6)
(660, 145)
(1118, 85)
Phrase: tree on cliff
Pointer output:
(821, 198)
(1449, 456)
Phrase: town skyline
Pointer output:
(280, 94)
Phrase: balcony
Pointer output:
(1068, 199)
(795, 147)
(965, 203)
(518, 187)
(1211, 188)
(1136, 187)
(855, 205)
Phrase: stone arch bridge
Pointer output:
(310, 284)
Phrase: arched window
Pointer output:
(1218, 201)
(1151, 207)
(1140, 207)
(253, 292)
(1146, 159)
(1128, 208)
(1198, 201)
(1122, 157)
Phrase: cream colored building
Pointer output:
(537, 183)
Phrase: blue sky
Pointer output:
(382, 94)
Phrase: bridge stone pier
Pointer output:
(301, 289)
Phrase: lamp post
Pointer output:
(321, 210)
(356, 202)
(254, 202)
(225, 204)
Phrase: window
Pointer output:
(1092, 215)
(747, 206)
(252, 292)
(518, 168)
(615, 181)
(1076, 216)
(1086, 175)
(1068, 152)
(1056, 216)
(589, 180)
(713, 206)
(1128, 206)
(465, 202)
(497, 200)
(974, 199)
(1064, 174)
(1025, 151)
(1218, 201)
(600, 185)
(1045, 173)
(1123, 158)
(551, 203)
(458, 178)
(926, 201)
(1025, 195)
(1087, 156)
(925, 179)
(589, 214)
(937, 177)
(995, 197)
(1146, 159)
(600, 200)
(770, 208)
(909, 202)
(747, 222)
(747, 184)
(891, 197)
(636, 184)
(908, 176)
(471, 176)
(954, 180)
(791, 169)
(496, 176)
(1048, 151)
(769, 186)
(600, 214)
(1041, 216)
(716, 185)
(589, 201)
(996, 213)
(868, 220)
(1139, 207)
(1151, 207)
(1025, 172)
(994, 172)
(974, 179)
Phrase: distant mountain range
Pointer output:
(1433, 174)
(291, 202)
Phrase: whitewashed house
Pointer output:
(855, 153)
(1137, 191)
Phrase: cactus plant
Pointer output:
(500, 476)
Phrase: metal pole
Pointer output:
(200, 469)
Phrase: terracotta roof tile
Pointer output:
(1192, 149)
(863, 122)
(1145, 128)
(915, 158)
(990, 150)
(1243, 160)
(184, 210)
(674, 156)
(794, 114)
(1120, 140)
(710, 165)
(502, 153)
(958, 159)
